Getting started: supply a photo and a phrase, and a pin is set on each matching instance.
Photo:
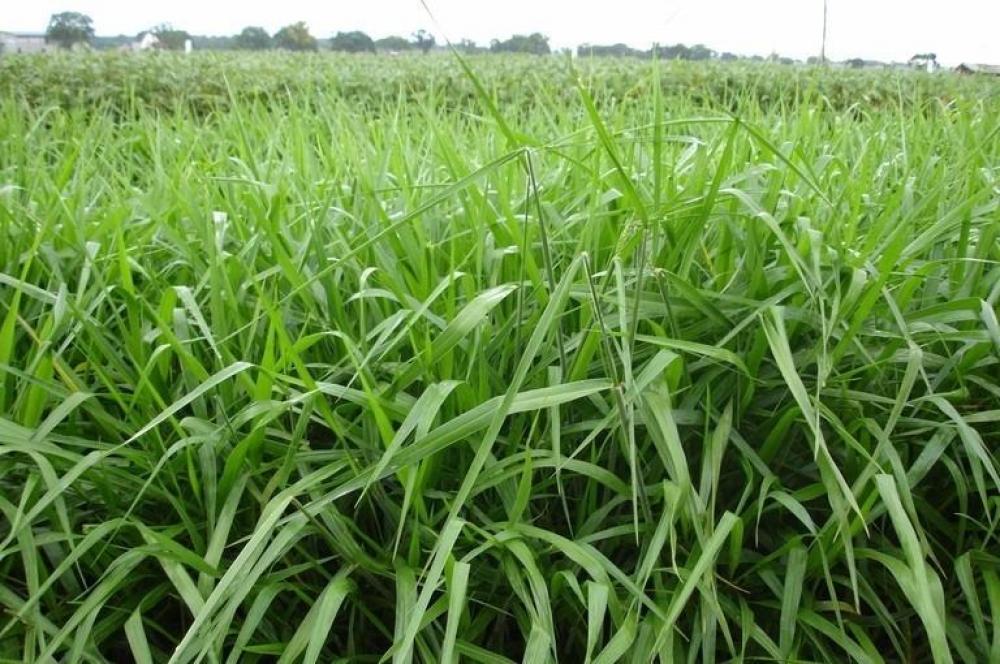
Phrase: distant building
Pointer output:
(924, 62)
(23, 43)
(146, 41)
(970, 68)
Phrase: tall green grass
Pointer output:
(595, 377)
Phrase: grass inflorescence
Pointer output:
(498, 360)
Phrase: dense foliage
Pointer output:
(170, 38)
(253, 38)
(295, 37)
(67, 29)
(208, 81)
(348, 358)
(352, 42)
(534, 44)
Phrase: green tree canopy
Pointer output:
(393, 43)
(535, 43)
(213, 42)
(612, 50)
(469, 46)
(354, 41)
(69, 28)
(170, 37)
(673, 52)
(702, 52)
(424, 40)
(253, 38)
(295, 37)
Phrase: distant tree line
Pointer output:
(73, 29)
(669, 52)
(535, 43)
(70, 28)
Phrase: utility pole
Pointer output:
(822, 48)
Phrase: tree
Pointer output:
(352, 42)
(469, 46)
(535, 43)
(924, 61)
(69, 28)
(701, 52)
(170, 37)
(253, 38)
(613, 50)
(674, 52)
(393, 43)
(424, 40)
(295, 37)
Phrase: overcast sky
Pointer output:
(957, 30)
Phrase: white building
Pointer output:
(924, 62)
(23, 43)
(147, 41)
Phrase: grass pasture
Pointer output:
(317, 358)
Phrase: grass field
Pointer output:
(313, 358)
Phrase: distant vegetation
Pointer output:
(328, 357)
(252, 38)
(295, 37)
(72, 28)
(208, 80)
(352, 42)
(393, 43)
(535, 44)
(68, 29)
(170, 38)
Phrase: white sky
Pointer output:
(957, 30)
